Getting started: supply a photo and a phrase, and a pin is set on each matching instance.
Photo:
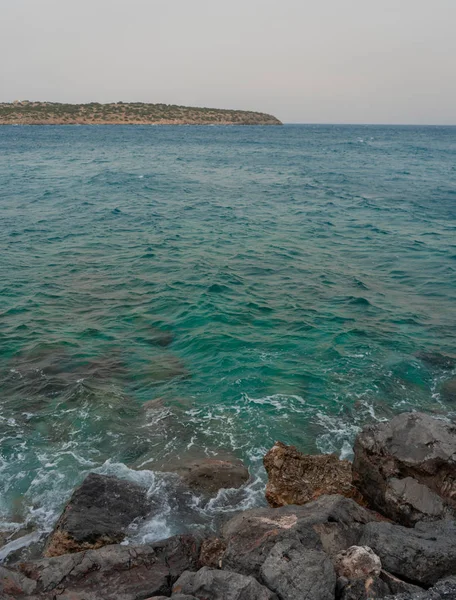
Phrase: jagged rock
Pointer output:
(174, 596)
(97, 514)
(210, 584)
(372, 587)
(331, 523)
(357, 562)
(409, 502)
(411, 445)
(14, 584)
(422, 555)
(296, 478)
(212, 551)
(114, 572)
(210, 475)
(448, 390)
(295, 572)
(443, 590)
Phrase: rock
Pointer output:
(296, 478)
(363, 589)
(331, 523)
(14, 584)
(175, 597)
(210, 475)
(448, 390)
(409, 502)
(210, 584)
(295, 572)
(374, 587)
(358, 562)
(443, 590)
(435, 359)
(114, 572)
(411, 445)
(422, 555)
(212, 551)
(98, 514)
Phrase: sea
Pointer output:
(174, 293)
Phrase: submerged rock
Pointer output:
(436, 359)
(448, 390)
(296, 478)
(411, 445)
(97, 514)
(210, 475)
(221, 585)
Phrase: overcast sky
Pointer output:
(305, 61)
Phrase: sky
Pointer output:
(305, 61)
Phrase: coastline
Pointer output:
(382, 527)
(119, 113)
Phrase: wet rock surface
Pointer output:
(98, 514)
(448, 390)
(208, 476)
(296, 478)
(412, 446)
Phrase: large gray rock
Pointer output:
(210, 584)
(443, 590)
(411, 445)
(376, 586)
(331, 523)
(295, 572)
(97, 514)
(422, 555)
(114, 572)
(14, 584)
(409, 502)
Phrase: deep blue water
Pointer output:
(256, 283)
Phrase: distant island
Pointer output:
(122, 113)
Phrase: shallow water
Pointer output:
(180, 291)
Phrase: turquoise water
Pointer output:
(183, 291)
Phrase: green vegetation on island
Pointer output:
(121, 113)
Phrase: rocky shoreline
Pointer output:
(383, 526)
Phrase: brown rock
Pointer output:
(212, 550)
(296, 478)
(210, 475)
